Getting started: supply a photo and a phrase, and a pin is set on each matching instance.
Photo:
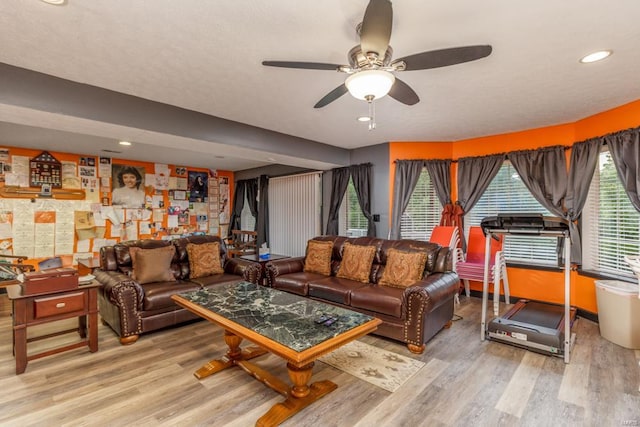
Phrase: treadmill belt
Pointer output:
(540, 314)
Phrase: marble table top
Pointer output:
(280, 316)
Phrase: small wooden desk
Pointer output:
(31, 310)
(87, 265)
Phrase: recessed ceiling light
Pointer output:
(364, 119)
(56, 2)
(596, 56)
(124, 143)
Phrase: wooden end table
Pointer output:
(37, 309)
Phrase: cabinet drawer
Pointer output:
(57, 305)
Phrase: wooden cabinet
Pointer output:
(31, 310)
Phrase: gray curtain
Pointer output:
(262, 224)
(544, 173)
(238, 204)
(625, 151)
(339, 183)
(251, 191)
(405, 180)
(361, 176)
(474, 176)
(584, 159)
(440, 174)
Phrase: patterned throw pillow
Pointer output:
(318, 259)
(204, 259)
(152, 265)
(356, 262)
(403, 268)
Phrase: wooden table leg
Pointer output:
(20, 335)
(300, 396)
(93, 320)
(233, 355)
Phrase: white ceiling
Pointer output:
(206, 56)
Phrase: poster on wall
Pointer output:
(128, 188)
(198, 189)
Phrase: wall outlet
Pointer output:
(376, 217)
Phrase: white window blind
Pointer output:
(611, 225)
(351, 220)
(508, 194)
(423, 211)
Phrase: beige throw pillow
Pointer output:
(318, 259)
(403, 268)
(204, 259)
(152, 265)
(356, 262)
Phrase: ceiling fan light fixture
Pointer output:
(369, 84)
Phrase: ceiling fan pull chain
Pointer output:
(372, 115)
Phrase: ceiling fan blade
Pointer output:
(303, 65)
(376, 27)
(400, 91)
(444, 57)
(332, 96)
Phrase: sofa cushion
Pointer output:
(378, 299)
(216, 279)
(152, 265)
(157, 295)
(204, 259)
(403, 269)
(318, 259)
(296, 283)
(334, 289)
(356, 262)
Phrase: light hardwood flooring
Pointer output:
(465, 382)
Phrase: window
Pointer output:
(423, 211)
(247, 220)
(610, 226)
(508, 194)
(352, 221)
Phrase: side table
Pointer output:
(37, 309)
(87, 265)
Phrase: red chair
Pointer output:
(471, 267)
(446, 235)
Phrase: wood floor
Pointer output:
(465, 382)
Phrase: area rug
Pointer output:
(383, 368)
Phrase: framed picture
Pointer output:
(128, 186)
(198, 186)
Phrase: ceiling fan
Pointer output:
(370, 66)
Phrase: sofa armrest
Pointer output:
(279, 267)
(249, 270)
(444, 260)
(114, 282)
(423, 298)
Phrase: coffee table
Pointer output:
(279, 323)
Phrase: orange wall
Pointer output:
(534, 284)
(148, 167)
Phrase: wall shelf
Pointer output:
(36, 193)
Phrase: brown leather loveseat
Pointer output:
(132, 306)
(411, 312)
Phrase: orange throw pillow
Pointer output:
(356, 262)
(204, 259)
(318, 259)
(152, 265)
(403, 269)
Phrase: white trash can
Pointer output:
(619, 312)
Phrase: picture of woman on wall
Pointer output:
(128, 190)
(198, 188)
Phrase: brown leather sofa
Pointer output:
(412, 315)
(131, 309)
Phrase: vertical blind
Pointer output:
(611, 225)
(508, 194)
(294, 212)
(423, 211)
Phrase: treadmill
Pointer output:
(537, 326)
